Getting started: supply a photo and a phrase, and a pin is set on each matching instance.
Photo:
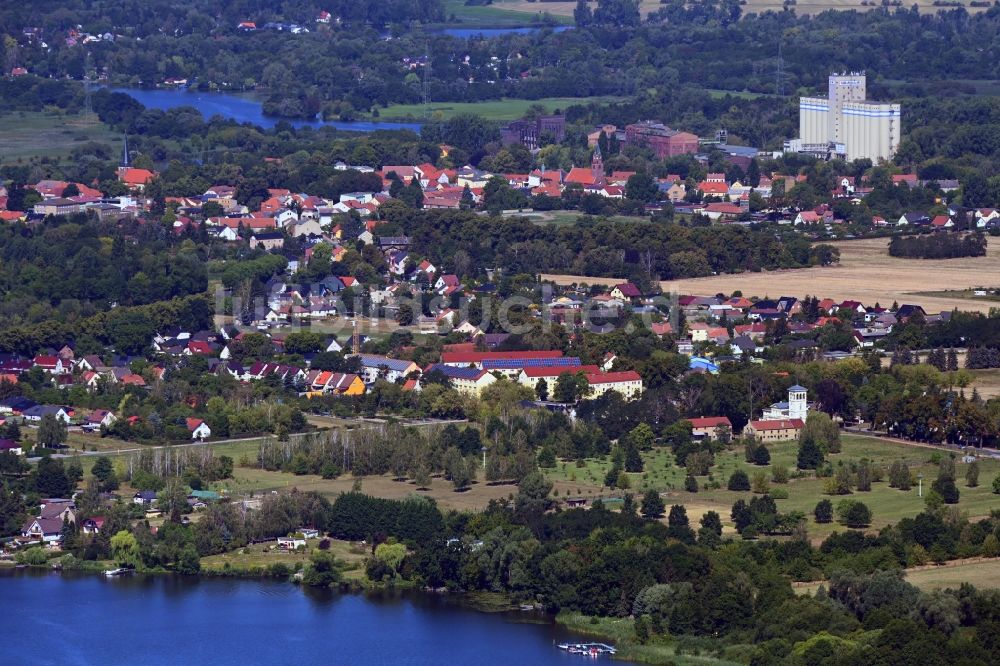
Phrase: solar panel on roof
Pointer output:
(511, 363)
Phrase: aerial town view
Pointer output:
(494, 332)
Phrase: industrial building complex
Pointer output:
(845, 125)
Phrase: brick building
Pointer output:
(663, 141)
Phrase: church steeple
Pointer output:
(125, 162)
(597, 162)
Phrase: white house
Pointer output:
(199, 429)
(291, 542)
(46, 530)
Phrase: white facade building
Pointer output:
(845, 124)
(797, 406)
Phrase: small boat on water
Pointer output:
(588, 649)
(120, 571)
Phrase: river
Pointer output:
(74, 618)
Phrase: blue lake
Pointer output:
(244, 109)
(87, 619)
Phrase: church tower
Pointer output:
(798, 407)
(597, 163)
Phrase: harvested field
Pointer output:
(866, 273)
(984, 573)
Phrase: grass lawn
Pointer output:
(26, 134)
(496, 16)
(742, 94)
(888, 505)
(263, 555)
(621, 632)
(566, 217)
(502, 109)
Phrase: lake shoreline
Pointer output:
(223, 620)
(606, 629)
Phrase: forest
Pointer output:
(647, 252)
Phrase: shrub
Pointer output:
(32, 556)
(691, 484)
(778, 493)
(945, 486)
(779, 473)
(854, 513)
(279, 570)
(762, 456)
(739, 480)
(823, 511)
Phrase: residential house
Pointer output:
(326, 382)
(92, 525)
(10, 446)
(44, 530)
(199, 429)
(709, 426)
(914, 218)
(273, 240)
(144, 497)
(470, 381)
(532, 376)
(626, 291)
(393, 370)
(99, 418)
(51, 364)
(37, 412)
(627, 383)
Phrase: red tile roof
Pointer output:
(133, 176)
(777, 424)
(614, 377)
(556, 370)
(710, 422)
(478, 357)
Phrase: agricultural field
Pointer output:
(981, 572)
(25, 135)
(866, 273)
(503, 109)
(888, 505)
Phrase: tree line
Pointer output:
(938, 246)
